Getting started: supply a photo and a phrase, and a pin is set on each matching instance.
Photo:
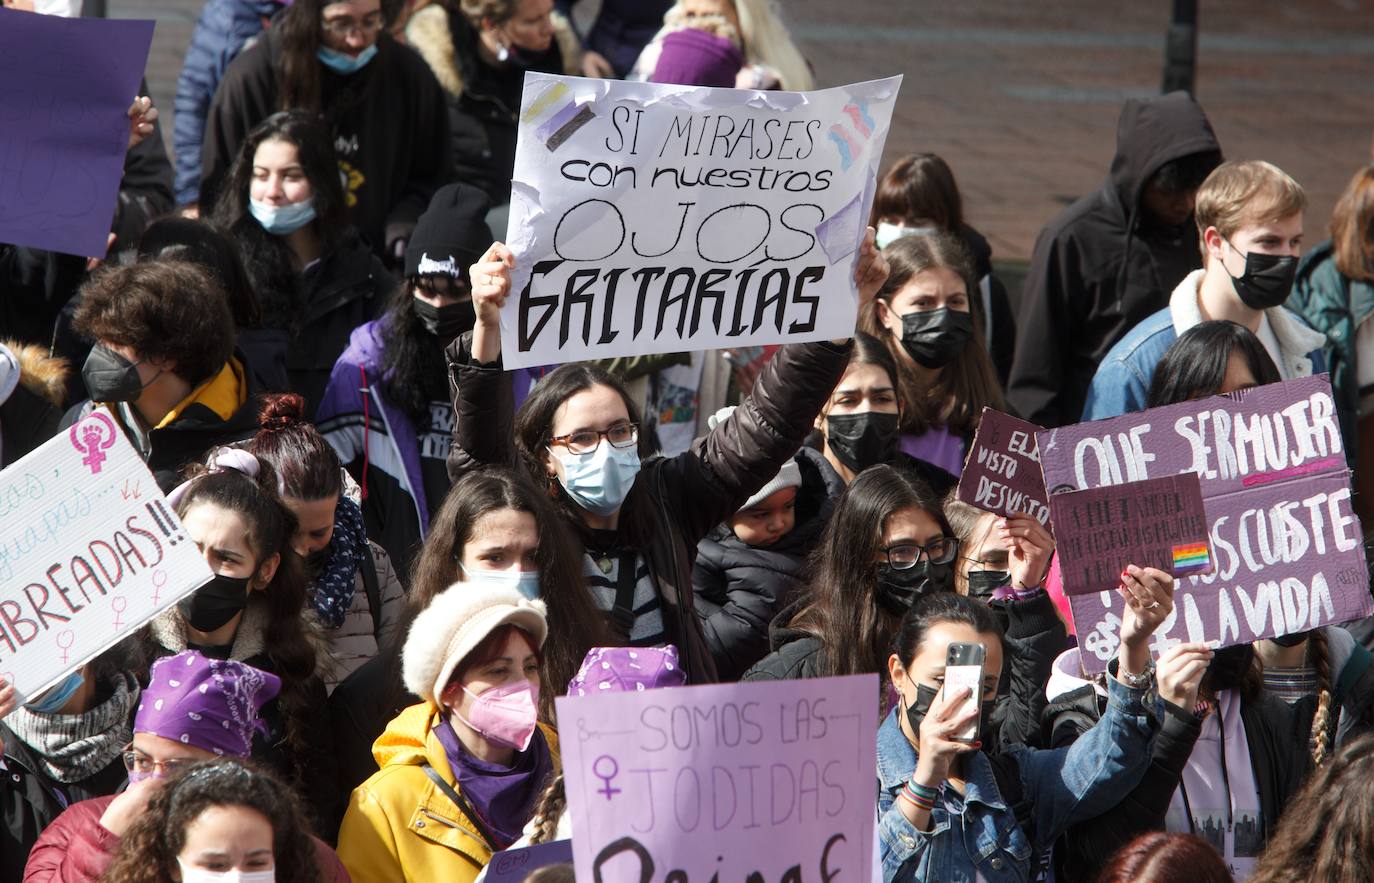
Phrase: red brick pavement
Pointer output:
(1022, 97)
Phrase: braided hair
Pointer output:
(552, 803)
(1320, 654)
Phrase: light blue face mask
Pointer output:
(600, 480)
(887, 234)
(342, 62)
(526, 582)
(280, 220)
(57, 695)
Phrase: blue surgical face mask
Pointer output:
(52, 701)
(526, 582)
(886, 234)
(280, 220)
(342, 62)
(600, 480)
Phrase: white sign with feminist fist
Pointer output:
(651, 218)
(89, 552)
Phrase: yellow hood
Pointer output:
(223, 394)
(409, 740)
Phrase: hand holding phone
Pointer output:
(964, 669)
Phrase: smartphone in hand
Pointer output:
(964, 668)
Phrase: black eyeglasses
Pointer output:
(136, 761)
(342, 27)
(584, 441)
(905, 556)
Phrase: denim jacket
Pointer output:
(976, 836)
(1122, 381)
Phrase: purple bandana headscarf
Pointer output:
(622, 669)
(211, 704)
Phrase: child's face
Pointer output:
(769, 521)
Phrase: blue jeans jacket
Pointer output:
(977, 835)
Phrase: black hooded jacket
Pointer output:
(740, 588)
(1103, 265)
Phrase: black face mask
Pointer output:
(934, 337)
(1228, 667)
(898, 589)
(862, 440)
(925, 697)
(982, 583)
(110, 377)
(1267, 280)
(448, 321)
(1292, 640)
(215, 603)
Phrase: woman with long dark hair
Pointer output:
(386, 409)
(316, 279)
(494, 527)
(933, 327)
(887, 543)
(384, 112)
(639, 521)
(254, 611)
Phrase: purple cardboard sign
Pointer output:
(772, 780)
(1286, 544)
(1002, 473)
(65, 90)
(514, 865)
(1158, 522)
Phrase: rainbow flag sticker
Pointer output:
(1191, 558)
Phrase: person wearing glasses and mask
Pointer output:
(194, 709)
(887, 544)
(384, 110)
(479, 50)
(639, 522)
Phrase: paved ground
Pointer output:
(1022, 98)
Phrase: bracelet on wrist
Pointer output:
(919, 796)
(1140, 681)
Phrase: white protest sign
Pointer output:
(89, 552)
(758, 781)
(651, 218)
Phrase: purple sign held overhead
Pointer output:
(770, 781)
(1158, 522)
(1002, 473)
(1286, 544)
(65, 90)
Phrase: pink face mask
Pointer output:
(504, 715)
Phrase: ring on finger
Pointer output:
(1152, 605)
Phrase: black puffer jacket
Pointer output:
(740, 588)
(1101, 267)
(675, 501)
(796, 654)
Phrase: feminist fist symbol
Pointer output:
(92, 437)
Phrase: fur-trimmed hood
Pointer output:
(39, 373)
(429, 33)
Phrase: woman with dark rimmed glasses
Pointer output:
(887, 543)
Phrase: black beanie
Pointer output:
(452, 233)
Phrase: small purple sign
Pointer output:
(1158, 522)
(514, 865)
(1002, 473)
(65, 90)
(1286, 546)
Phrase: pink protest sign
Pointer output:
(1002, 473)
(1286, 545)
(770, 781)
(1158, 522)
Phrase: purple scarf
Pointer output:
(503, 796)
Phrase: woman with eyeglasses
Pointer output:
(194, 709)
(383, 107)
(639, 521)
(887, 544)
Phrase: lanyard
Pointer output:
(1225, 778)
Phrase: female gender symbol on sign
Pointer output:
(119, 604)
(159, 580)
(65, 639)
(612, 768)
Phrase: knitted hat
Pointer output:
(788, 476)
(211, 704)
(692, 57)
(452, 626)
(622, 669)
(451, 234)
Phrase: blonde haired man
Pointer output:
(1249, 217)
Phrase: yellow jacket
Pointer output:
(399, 826)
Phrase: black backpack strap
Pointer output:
(1006, 771)
(466, 807)
(368, 570)
(623, 610)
